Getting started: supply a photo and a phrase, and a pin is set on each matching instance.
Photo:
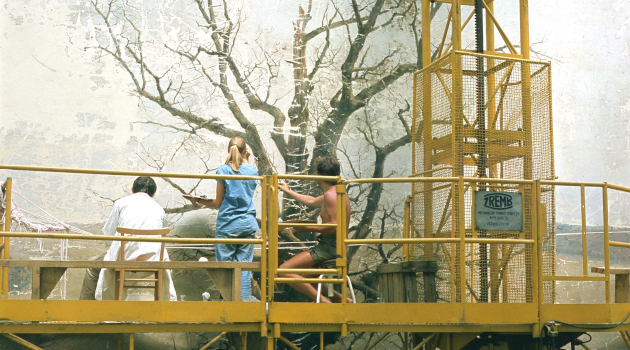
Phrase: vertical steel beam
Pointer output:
(270, 343)
(406, 227)
(584, 247)
(606, 241)
(462, 240)
(321, 340)
(272, 235)
(456, 31)
(536, 236)
(427, 132)
(426, 33)
(524, 13)
(263, 236)
(341, 241)
(7, 240)
(541, 286)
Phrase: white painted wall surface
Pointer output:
(58, 107)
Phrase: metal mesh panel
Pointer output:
(475, 112)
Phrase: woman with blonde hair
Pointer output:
(237, 212)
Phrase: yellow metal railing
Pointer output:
(607, 243)
(6, 233)
(270, 226)
(275, 225)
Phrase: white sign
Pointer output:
(498, 211)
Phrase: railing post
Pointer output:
(273, 235)
(407, 228)
(606, 241)
(539, 245)
(263, 236)
(341, 239)
(536, 268)
(8, 185)
(462, 240)
(584, 242)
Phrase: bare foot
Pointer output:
(337, 299)
(324, 300)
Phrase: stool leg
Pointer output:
(354, 299)
(116, 284)
(158, 285)
(331, 290)
(121, 285)
(319, 289)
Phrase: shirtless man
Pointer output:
(326, 248)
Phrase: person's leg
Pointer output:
(245, 253)
(302, 260)
(224, 252)
(336, 295)
(168, 288)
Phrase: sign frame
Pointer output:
(498, 211)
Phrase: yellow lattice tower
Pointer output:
(481, 115)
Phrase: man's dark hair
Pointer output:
(144, 184)
(327, 166)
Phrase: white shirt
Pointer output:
(138, 211)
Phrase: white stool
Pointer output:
(331, 292)
(332, 264)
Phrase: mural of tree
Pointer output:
(334, 88)
(197, 62)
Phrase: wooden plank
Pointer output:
(391, 289)
(398, 287)
(48, 279)
(223, 280)
(613, 271)
(411, 288)
(419, 266)
(388, 268)
(35, 283)
(236, 284)
(173, 265)
(430, 291)
(622, 288)
(382, 286)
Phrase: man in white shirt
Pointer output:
(139, 211)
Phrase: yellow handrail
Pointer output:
(131, 238)
(127, 173)
(270, 226)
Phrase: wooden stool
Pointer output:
(156, 281)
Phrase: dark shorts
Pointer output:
(325, 249)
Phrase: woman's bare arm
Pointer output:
(212, 203)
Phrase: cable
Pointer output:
(542, 329)
(579, 341)
(592, 327)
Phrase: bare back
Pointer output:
(329, 208)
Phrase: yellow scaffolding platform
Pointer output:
(458, 320)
